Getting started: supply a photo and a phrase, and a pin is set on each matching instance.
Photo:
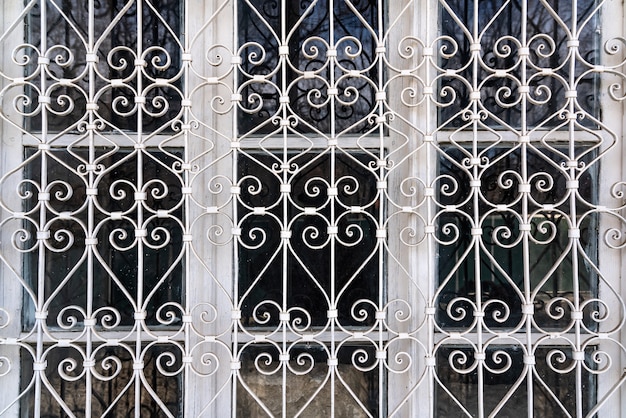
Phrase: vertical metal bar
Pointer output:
(380, 243)
(574, 238)
(527, 283)
(187, 293)
(333, 219)
(234, 162)
(285, 206)
(476, 215)
(431, 244)
(138, 366)
(90, 206)
(40, 316)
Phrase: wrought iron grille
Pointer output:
(312, 208)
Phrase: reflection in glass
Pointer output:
(260, 23)
(265, 380)
(499, 24)
(554, 389)
(118, 54)
(114, 270)
(500, 262)
(308, 257)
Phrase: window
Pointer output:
(304, 208)
(113, 273)
(119, 55)
(98, 222)
(554, 283)
(544, 60)
(301, 83)
(501, 266)
(518, 220)
(309, 273)
(309, 252)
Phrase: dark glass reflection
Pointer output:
(114, 269)
(300, 388)
(304, 272)
(509, 381)
(260, 22)
(500, 280)
(160, 49)
(547, 42)
(115, 396)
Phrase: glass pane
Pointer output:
(504, 379)
(120, 57)
(499, 264)
(113, 383)
(112, 282)
(302, 272)
(308, 387)
(308, 73)
(501, 33)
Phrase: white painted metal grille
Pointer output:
(311, 208)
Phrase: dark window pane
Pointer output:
(500, 260)
(115, 274)
(66, 32)
(308, 270)
(261, 372)
(504, 377)
(355, 44)
(547, 43)
(112, 388)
